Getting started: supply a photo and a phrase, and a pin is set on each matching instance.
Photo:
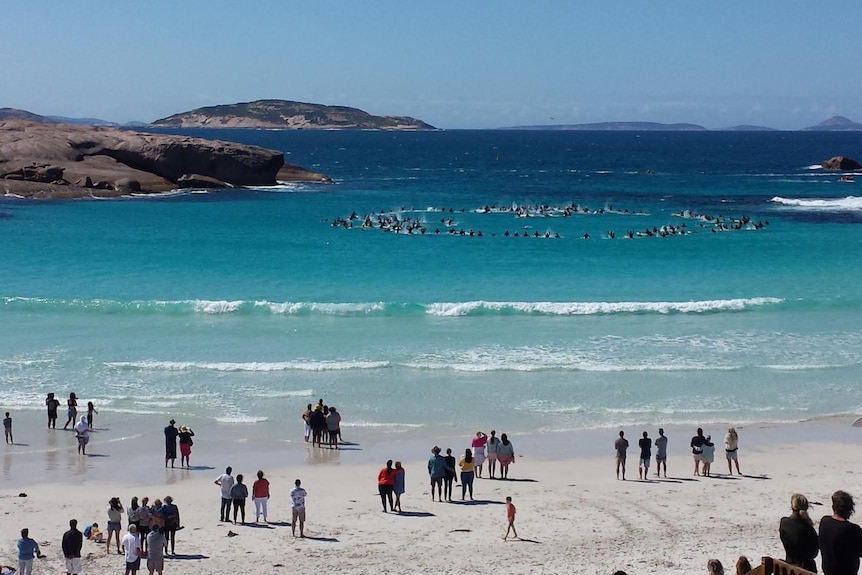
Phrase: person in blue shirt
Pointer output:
(437, 471)
(27, 550)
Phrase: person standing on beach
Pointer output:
(186, 443)
(7, 428)
(467, 465)
(437, 471)
(510, 515)
(478, 448)
(260, 495)
(53, 404)
(171, 434)
(239, 493)
(72, 542)
(72, 410)
(333, 425)
(492, 444)
(708, 452)
(840, 541)
(171, 515)
(318, 424)
(399, 485)
(697, 449)
(297, 499)
(156, 554)
(621, 445)
(91, 410)
(27, 550)
(731, 447)
(449, 477)
(645, 443)
(225, 481)
(306, 417)
(661, 453)
(115, 523)
(82, 432)
(505, 455)
(386, 485)
(132, 550)
(798, 535)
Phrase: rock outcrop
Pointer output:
(287, 115)
(36, 158)
(841, 164)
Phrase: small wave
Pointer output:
(841, 204)
(241, 419)
(375, 309)
(153, 365)
(379, 424)
(281, 394)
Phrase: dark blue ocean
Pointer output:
(720, 282)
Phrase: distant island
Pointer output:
(288, 115)
(834, 124)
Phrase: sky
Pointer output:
(785, 64)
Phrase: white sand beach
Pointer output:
(573, 516)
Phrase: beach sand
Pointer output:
(573, 516)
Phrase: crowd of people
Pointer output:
(322, 425)
(702, 449)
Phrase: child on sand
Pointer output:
(510, 514)
(7, 428)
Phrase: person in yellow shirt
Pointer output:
(468, 466)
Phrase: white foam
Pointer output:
(847, 203)
(215, 307)
(453, 309)
(154, 365)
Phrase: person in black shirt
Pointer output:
(798, 535)
(645, 444)
(171, 434)
(697, 449)
(840, 540)
(73, 540)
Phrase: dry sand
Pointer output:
(573, 516)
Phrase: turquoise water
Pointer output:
(241, 306)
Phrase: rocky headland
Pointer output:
(46, 160)
(288, 115)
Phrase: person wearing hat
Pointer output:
(171, 434)
(186, 443)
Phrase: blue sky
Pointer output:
(469, 64)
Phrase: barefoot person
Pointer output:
(478, 448)
(386, 485)
(171, 434)
(260, 496)
(731, 447)
(7, 428)
(840, 541)
(510, 515)
(697, 449)
(505, 455)
(492, 444)
(399, 485)
(798, 535)
(186, 443)
(645, 444)
(71, 544)
(661, 453)
(82, 433)
(28, 549)
(53, 404)
(115, 523)
(437, 471)
(621, 445)
(72, 410)
(297, 500)
(132, 550)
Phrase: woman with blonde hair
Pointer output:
(731, 446)
(798, 535)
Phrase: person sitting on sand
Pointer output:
(92, 533)
(798, 535)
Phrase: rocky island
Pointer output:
(288, 115)
(51, 160)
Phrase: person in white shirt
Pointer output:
(82, 430)
(132, 550)
(297, 497)
(226, 481)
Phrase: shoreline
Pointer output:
(572, 515)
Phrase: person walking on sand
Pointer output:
(72, 542)
(186, 443)
(491, 445)
(645, 443)
(53, 404)
(82, 433)
(239, 493)
(27, 550)
(260, 495)
(621, 445)
(171, 434)
(840, 541)
(226, 482)
(510, 515)
(71, 410)
(661, 453)
(697, 449)
(399, 485)
(437, 471)
(7, 428)
(731, 447)
(297, 499)
(132, 550)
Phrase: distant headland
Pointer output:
(288, 115)
(834, 124)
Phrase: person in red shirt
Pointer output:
(510, 514)
(386, 485)
(260, 494)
